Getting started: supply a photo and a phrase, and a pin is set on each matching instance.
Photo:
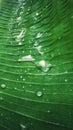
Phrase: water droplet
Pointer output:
(23, 87)
(66, 80)
(52, 55)
(28, 9)
(23, 79)
(48, 111)
(37, 14)
(24, 3)
(39, 49)
(15, 88)
(3, 86)
(38, 35)
(21, 12)
(44, 89)
(39, 93)
(20, 43)
(27, 58)
(20, 35)
(22, 51)
(23, 127)
(44, 65)
(35, 18)
(35, 44)
(21, 76)
(30, 51)
(18, 19)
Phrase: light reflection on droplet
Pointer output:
(48, 111)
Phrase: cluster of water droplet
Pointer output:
(20, 33)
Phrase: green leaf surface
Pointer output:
(36, 64)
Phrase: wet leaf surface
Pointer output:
(36, 65)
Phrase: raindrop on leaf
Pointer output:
(65, 80)
(20, 43)
(21, 76)
(26, 58)
(45, 66)
(3, 86)
(23, 87)
(43, 89)
(38, 35)
(37, 14)
(23, 127)
(23, 79)
(39, 93)
(19, 18)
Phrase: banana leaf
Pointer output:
(36, 64)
